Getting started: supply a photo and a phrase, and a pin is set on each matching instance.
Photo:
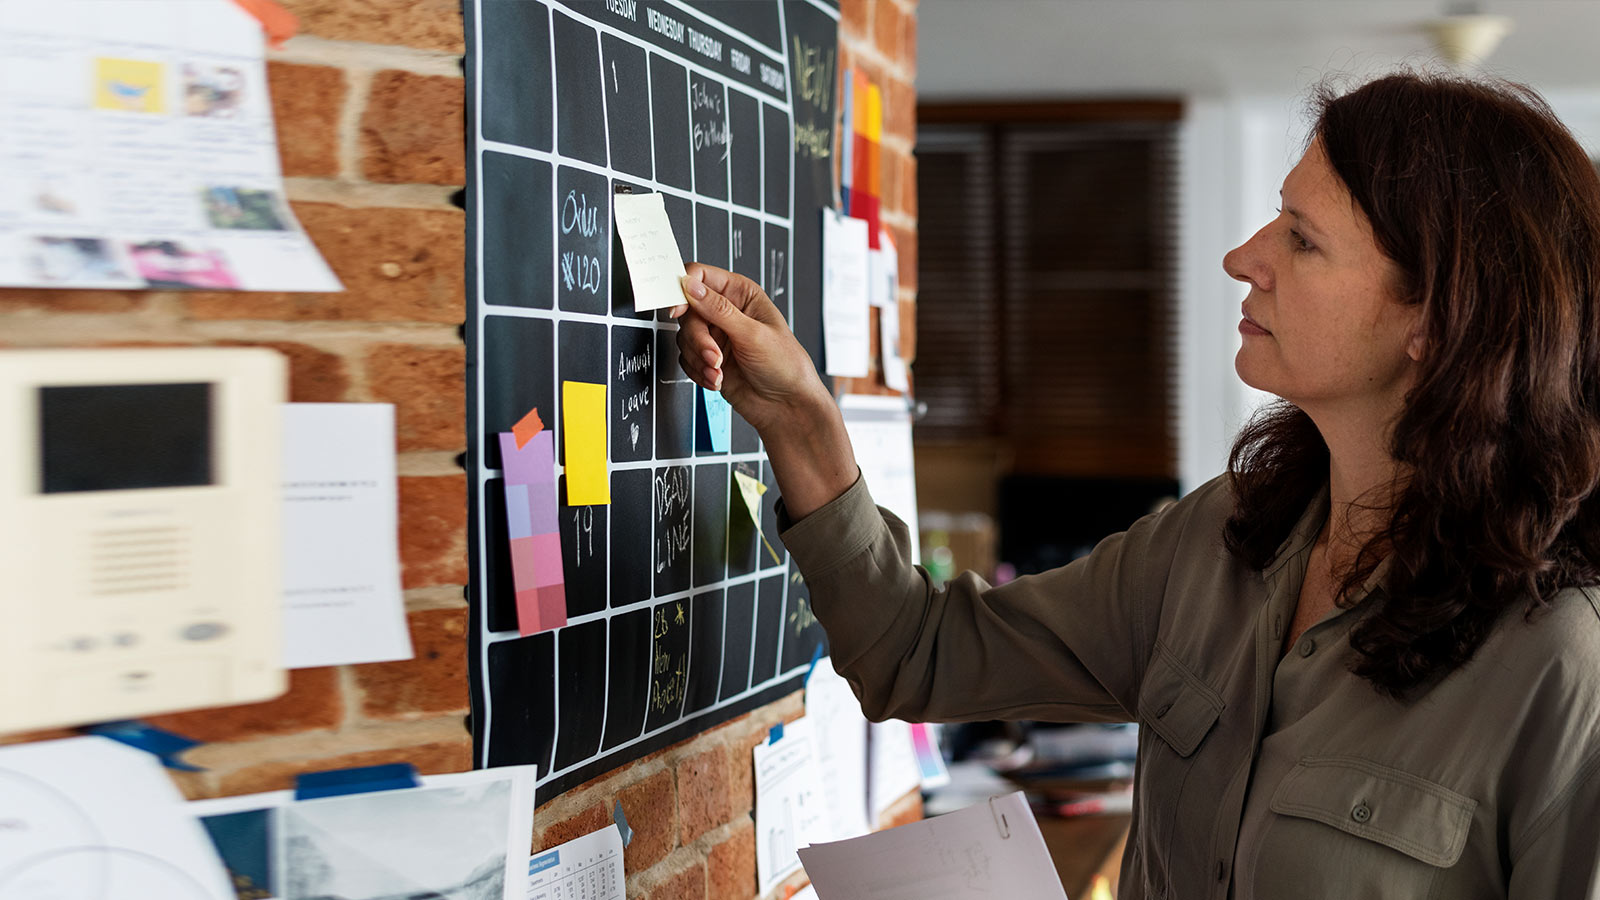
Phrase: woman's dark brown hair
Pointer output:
(1492, 213)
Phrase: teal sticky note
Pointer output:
(713, 422)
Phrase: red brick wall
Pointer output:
(368, 100)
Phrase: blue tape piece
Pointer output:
(621, 818)
(359, 780)
(816, 656)
(162, 744)
(776, 734)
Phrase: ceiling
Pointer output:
(1078, 48)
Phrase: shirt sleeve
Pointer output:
(1562, 861)
(1066, 645)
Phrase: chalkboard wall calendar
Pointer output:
(679, 616)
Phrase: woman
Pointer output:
(1366, 661)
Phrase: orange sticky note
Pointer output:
(529, 426)
(277, 22)
(583, 421)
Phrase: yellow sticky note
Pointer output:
(583, 418)
(751, 490)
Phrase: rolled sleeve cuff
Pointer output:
(834, 534)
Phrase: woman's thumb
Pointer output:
(718, 310)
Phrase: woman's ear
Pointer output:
(1417, 342)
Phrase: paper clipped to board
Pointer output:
(654, 265)
(990, 849)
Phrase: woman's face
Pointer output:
(1322, 325)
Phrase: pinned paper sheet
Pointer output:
(713, 423)
(654, 266)
(536, 567)
(342, 600)
(751, 490)
(846, 325)
(789, 808)
(885, 295)
(527, 427)
(584, 868)
(583, 414)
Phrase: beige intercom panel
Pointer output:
(139, 532)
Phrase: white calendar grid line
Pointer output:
(556, 159)
(556, 316)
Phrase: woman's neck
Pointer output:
(1363, 479)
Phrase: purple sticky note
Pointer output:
(519, 522)
(534, 463)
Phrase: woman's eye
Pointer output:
(1300, 243)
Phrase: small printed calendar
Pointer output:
(586, 868)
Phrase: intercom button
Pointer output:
(204, 631)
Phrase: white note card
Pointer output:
(846, 322)
(584, 868)
(654, 265)
(991, 849)
(341, 557)
(88, 817)
(790, 809)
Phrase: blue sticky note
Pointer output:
(713, 422)
(621, 818)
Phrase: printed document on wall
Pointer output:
(139, 151)
(880, 432)
(342, 602)
(584, 868)
(846, 323)
(89, 817)
(841, 736)
(790, 809)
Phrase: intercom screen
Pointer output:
(124, 436)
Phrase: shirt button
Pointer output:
(1222, 869)
(1308, 647)
(1163, 710)
(1361, 813)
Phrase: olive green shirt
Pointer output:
(1261, 775)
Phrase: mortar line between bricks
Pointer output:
(316, 51)
(355, 106)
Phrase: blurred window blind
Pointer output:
(1044, 292)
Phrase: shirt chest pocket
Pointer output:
(1176, 712)
(1370, 830)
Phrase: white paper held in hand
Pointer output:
(990, 849)
(654, 266)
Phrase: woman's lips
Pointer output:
(1248, 325)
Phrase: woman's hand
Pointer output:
(731, 338)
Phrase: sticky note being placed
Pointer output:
(713, 422)
(536, 568)
(583, 417)
(654, 265)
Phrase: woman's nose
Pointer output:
(1246, 263)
